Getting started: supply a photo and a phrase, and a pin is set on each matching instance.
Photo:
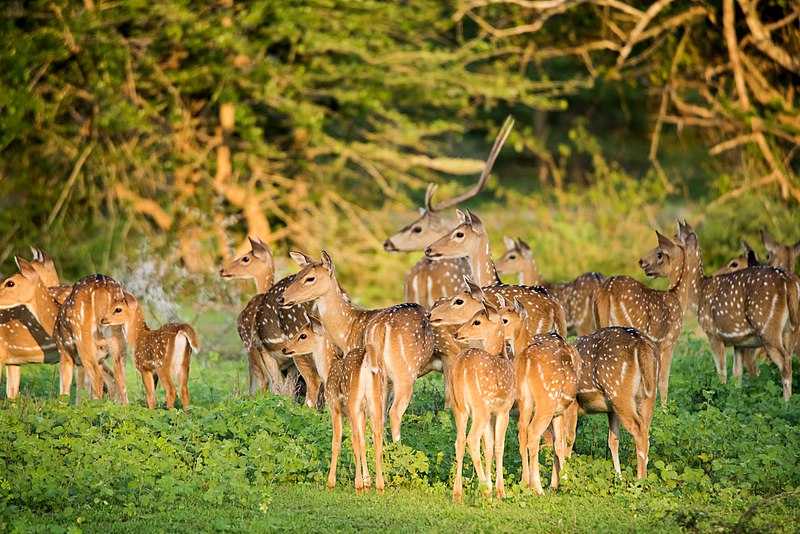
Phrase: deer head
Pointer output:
(747, 259)
(517, 257)
(314, 279)
(430, 226)
(123, 311)
(256, 264)
(666, 260)
(486, 326)
(306, 339)
(464, 240)
(459, 308)
(21, 288)
(779, 255)
(45, 266)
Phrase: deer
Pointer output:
(350, 389)
(78, 334)
(483, 387)
(428, 280)
(657, 314)
(620, 367)
(31, 339)
(264, 326)
(165, 352)
(398, 339)
(575, 296)
(748, 258)
(469, 239)
(780, 255)
(753, 307)
(546, 370)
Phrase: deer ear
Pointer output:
(523, 246)
(518, 307)
(462, 217)
(769, 243)
(130, 300)
(299, 258)
(327, 261)
(796, 248)
(473, 288)
(35, 253)
(491, 310)
(474, 220)
(664, 241)
(26, 269)
(260, 250)
(429, 192)
(752, 259)
(316, 324)
(509, 243)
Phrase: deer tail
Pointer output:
(560, 318)
(191, 336)
(600, 307)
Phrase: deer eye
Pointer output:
(659, 255)
(117, 310)
(476, 322)
(458, 302)
(10, 283)
(303, 336)
(505, 321)
(246, 259)
(310, 279)
(417, 229)
(512, 257)
(734, 264)
(459, 234)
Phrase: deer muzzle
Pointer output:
(388, 246)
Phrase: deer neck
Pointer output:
(337, 314)
(529, 276)
(323, 355)
(266, 279)
(481, 264)
(494, 343)
(697, 278)
(137, 329)
(520, 341)
(44, 308)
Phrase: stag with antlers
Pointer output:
(431, 280)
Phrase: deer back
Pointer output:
(404, 335)
(577, 296)
(429, 281)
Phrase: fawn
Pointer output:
(575, 296)
(623, 301)
(398, 340)
(750, 308)
(547, 371)
(165, 352)
(264, 326)
(431, 280)
(470, 239)
(350, 389)
(483, 388)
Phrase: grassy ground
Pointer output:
(722, 456)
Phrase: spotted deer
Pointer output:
(482, 388)
(349, 390)
(780, 255)
(547, 369)
(165, 352)
(264, 326)
(78, 334)
(398, 340)
(748, 258)
(431, 280)
(623, 301)
(620, 366)
(469, 239)
(575, 296)
(753, 307)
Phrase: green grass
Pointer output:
(721, 456)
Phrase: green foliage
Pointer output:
(717, 452)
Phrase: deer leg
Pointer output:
(779, 354)
(476, 431)
(559, 450)
(355, 440)
(718, 349)
(336, 443)
(118, 353)
(272, 371)
(184, 377)
(570, 425)
(613, 441)
(535, 430)
(169, 386)
(80, 384)
(633, 424)
(664, 366)
(258, 377)
(362, 430)
(305, 365)
(149, 389)
(12, 381)
(403, 388)
(375, 405)
(488, 450)
(525, 413)
(750, 361)
(500, 426)
(461, 439)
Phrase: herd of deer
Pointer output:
(455, 302)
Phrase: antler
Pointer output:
(475, 189)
